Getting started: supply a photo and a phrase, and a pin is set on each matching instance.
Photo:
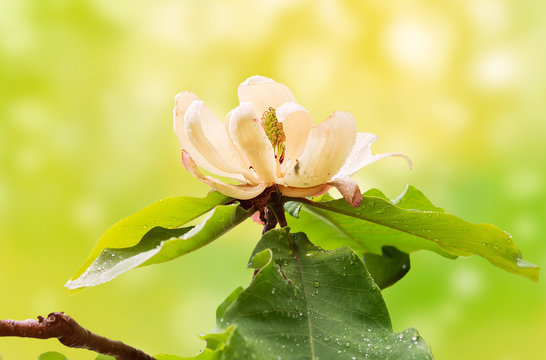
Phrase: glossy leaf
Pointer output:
(308, 303)
(388, 268)
(410, 223)
(170, 213)
(160, 245)
(293, 208)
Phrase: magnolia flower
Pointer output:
(269, 139)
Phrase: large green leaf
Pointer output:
(159, 245)
(308, 303)
(410, 223)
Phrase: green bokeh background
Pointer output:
(86, 96)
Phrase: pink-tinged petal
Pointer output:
(242, 192)
(249, 137)
(361, 155)
(326, 150)
(182, 103)
(208, 136)
(296, 122)
(256, 218)
(349, 189)
(303, 192)
(263, 93)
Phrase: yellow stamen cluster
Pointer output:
(274, 131)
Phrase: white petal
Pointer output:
(361, 155)
(249, 137)
(349, 189)
(208, 136)
(242, 192)
(296, 123)
(263, 93)
(182, 103)
(303, 192)
(326, 150)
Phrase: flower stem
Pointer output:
(274, 212)
(270, 221)
(276, 205)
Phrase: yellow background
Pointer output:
(86, 94)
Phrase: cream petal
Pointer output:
(296, 122)
(182, 103)
(242, 192)
(349, 189)
(208, 136)
(326, 150)
(361, 155)
(263, 93)
(250, 175)
(249, 137)
(303, 192)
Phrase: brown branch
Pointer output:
(71, 334)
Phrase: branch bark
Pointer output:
(71, 334)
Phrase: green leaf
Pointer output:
(160, 245)
(410, 223)
(170, 213)
(52, 355)
(388, 268)
(293, 208)
(308, 303)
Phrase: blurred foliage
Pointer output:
(86, 94)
